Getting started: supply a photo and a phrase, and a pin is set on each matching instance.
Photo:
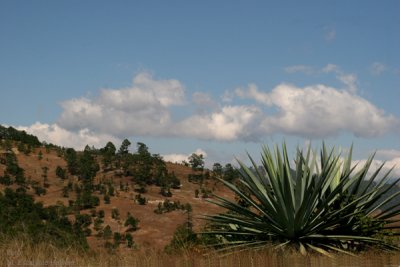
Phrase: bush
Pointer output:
(106, 199)
(117, 239)
(131, 222)
(107, 232)
(115, 214)
(20, 215)
(184, 239)
(129, 240)
(60, 172)
(141, 200)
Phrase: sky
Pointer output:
(221, 78)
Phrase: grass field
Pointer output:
(21, 253)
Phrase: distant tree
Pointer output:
(117, 239)
(124, 148)
(21, 215)
(230, 173)
(107, 232)
(72, 161)
(108, 153)
(60, 172)
(97, 224)
(184, 238)
(86, 200)
(140, 199)
(40, 155)
(115, 213)
(129, 240)
(165, 191)
(131, 222)
(88, 166)
(142, 172)
(44, 176)
(39, 190)
(101, 213)
(111, 190)
(196, 162)
(217, 170)
(5, 180)
(106, 199)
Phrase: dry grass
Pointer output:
(20, 253)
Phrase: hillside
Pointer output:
(50, 178)
(117, 199)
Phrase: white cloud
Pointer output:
(319, 111)
(59, 136)
(330, 68)
(349, 80)
(227, 124)
(147, 109)
(178, 158)
(300, 68)
(377, 68)
(143, 108)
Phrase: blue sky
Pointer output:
(217, 77)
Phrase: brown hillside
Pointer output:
(155, 230)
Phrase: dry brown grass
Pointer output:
(21, 253)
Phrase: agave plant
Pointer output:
(320, 204)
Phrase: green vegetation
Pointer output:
(13, 134)
(60, 172)
(319, 206)
(115, 214)
(312, 204)
(168, 206)
(184, 239)
(20, 215)
(131, 222)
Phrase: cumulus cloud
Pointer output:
(148, 108)
(377, 68)
(57, 135)
(227, 124)
(319, 111)
(143, 108)
(178, 158)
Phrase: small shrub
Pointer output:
(115, 214)
(106, 199)
(131, 222)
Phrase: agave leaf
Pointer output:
(302, 249)
(338, 250)
(320, 250)
(317, 207)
